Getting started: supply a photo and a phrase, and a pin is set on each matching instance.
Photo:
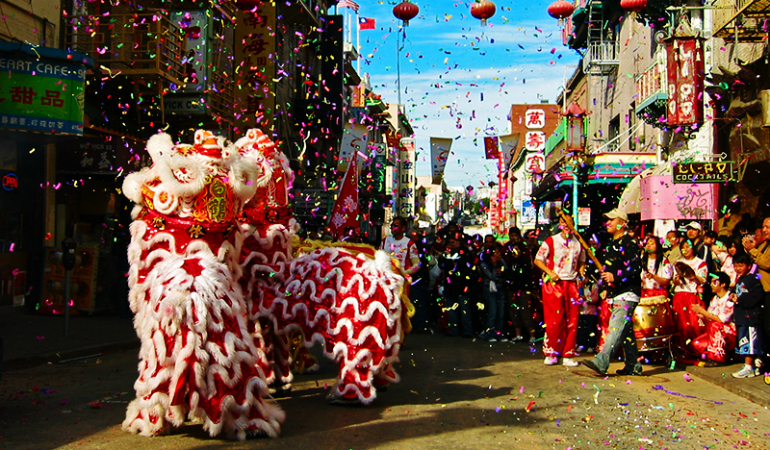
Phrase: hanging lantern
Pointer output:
(561, 9)
(636, 6)
(406, 11)
(483, 9)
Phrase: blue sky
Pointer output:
(458, 78)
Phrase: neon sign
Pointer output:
(10, 182)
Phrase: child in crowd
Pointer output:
(587, 338)
(747, 316)
(719, 332)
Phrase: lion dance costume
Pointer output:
(216, 288)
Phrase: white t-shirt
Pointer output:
(568, 254)
(665, 270)
(729, 269)
(401, 250)
(722, 307)
(700, 268)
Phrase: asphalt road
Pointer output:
(455, 393)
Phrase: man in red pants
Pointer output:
(562, 260)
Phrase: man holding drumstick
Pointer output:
(622, 280)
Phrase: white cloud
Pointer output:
(459, 79)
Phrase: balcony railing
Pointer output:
(601, 57)
(142, 44)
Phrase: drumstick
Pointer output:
(586, 247)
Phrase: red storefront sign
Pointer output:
(685, 81)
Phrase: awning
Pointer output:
(654, 195)
(630, 200)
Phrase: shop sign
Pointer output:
(535, 163)
(10, 182)
(584, 217)
(534, 141)
(663, 199)
(534, 118)
(255, 48)
(703, 172)
(406, 177)
(378, 167)
(110, 155)
(184, 104)
(685, 81)
(42, 95)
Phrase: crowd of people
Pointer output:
(711, 292)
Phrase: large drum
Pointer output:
(653, 328)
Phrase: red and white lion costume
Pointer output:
(199, 360)
(216, 285)
(349, 297)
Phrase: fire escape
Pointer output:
(742, 20)
(146, 47)
(602, 49)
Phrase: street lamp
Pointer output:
(575, 150)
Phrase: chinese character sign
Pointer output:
(685, 81)
(534, 141)
(42, 95)
(535, 163)
(406, 177)
(534, 118)
(255, 45)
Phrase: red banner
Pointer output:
(685, 81)
(346, 211)
(491, 147)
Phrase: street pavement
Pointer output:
(454, 393)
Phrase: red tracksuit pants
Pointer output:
(561, 309)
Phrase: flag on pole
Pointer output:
(508, 145)
(491, 147)
(439, 153)
(346, 211)
(366, 23)
(348, 4)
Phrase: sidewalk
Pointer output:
(32, 339)
(753, 389)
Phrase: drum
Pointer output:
(653, 328)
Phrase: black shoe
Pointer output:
(625, 371)
(592, 365)
(333, 399)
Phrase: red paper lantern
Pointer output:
(561, 9)
(633, 5)
(483, 9)
(406, 11)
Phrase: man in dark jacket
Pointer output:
(457, 269)
(623, 283)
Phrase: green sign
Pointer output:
(42, 95)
